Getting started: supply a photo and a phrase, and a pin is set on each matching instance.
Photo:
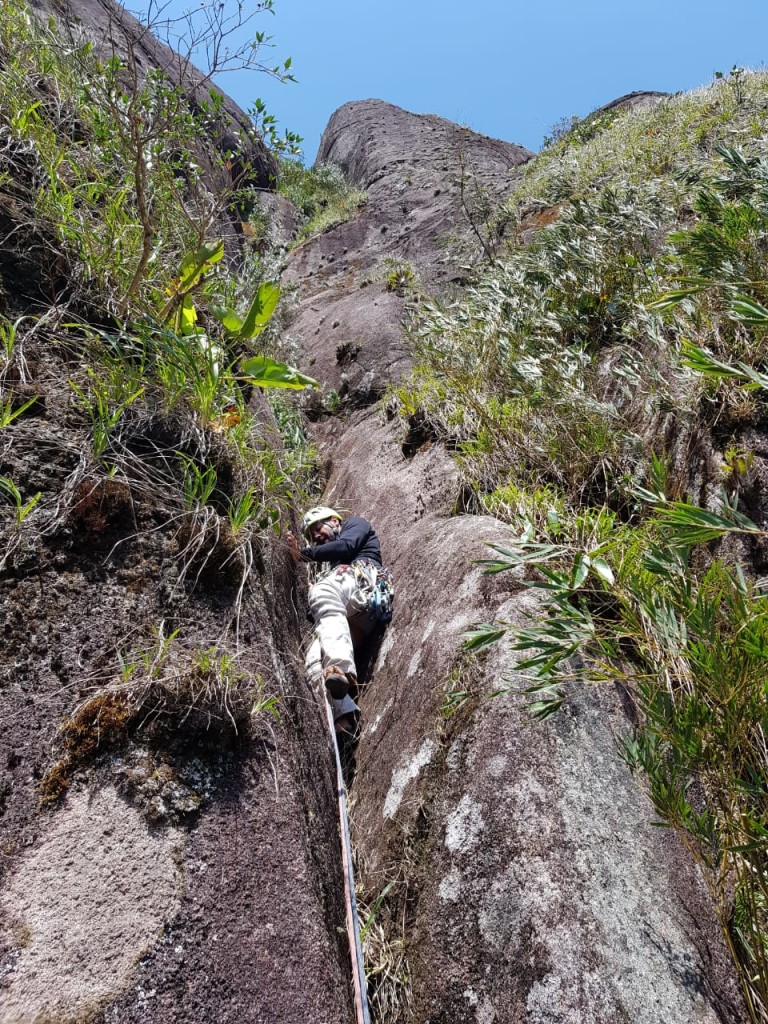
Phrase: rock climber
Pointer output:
(353, 589)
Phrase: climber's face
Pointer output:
(325, 530)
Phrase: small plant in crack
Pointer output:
(460, 689)
(243, 510)
(8, 338)
(105, 401)
(21, 509)
(9, 411)
(387, 971)
(399, 276)
(199, 482)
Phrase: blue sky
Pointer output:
(505, 68)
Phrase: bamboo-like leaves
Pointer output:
(703, 362)
(484, 634)
(673, 298)
(749, 311)
(688, 524)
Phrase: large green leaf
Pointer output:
(269, 373)
(185, 317)
(196, 263)
(262, 308)
(229, 318)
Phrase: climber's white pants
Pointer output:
(330, 602)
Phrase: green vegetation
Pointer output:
(691, 646)
(387, 971)
(399, 276)
(576, 130)
(321, 194)
(106, 166)
(602, 387)
(678, 133)
(21, 509)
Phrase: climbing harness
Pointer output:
(375, 589)
(362, 1015)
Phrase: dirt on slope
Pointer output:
(529, 883)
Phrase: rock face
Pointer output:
(529, 883)
(638, 100)
(420, 172)
(188, 877)
(192, 883)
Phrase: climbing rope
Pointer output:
(362, 1015)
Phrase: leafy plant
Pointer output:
(321, 194)
(736, 81)
(199, 481)
(166, 690)
(9, 411)
(104, 402)
(243, 510)
(21, 509)
(399, 276)
(8, 337)
(692, 648)
(265, 372)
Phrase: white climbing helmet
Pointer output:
(317, 515)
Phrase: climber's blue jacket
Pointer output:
(356, 540)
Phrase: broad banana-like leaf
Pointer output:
(185, 317)
(262, 308)
(269, 373)
(229, 318)
(195, 264)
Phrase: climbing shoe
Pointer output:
(336, 682)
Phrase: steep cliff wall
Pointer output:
(529, 883)
(164, 866)
(169, 848)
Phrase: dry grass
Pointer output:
(387, 972)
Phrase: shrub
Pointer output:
(690, 645)
(321, 194)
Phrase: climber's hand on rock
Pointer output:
(293, 547)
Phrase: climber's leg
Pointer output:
(345, 709)
(329, 599)
(313, 662)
